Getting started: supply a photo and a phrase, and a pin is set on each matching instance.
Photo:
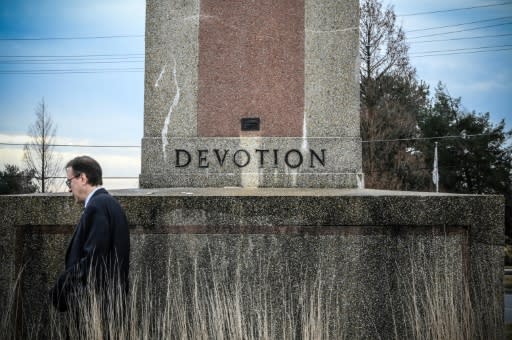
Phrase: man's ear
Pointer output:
(83, 177)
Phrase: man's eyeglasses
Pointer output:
(68, 181)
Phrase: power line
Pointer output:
(456, 53)
(77, 145)
(63, 58)
(464, 30)
(42, 73)
(464, 38)
(58, 62)
(424, 138)
(63, 177)
(455, 9)
(470, 50)
(69, 71)
(462, 49)
(75, 59)
(73, 38)
(65, 62)
(123, 36)
(408, 169)
(364, 141)
(455, 25)
(72, 55)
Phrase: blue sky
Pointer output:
(481, 76)
(91, 106)
(99, 108)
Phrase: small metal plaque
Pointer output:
(250, 124)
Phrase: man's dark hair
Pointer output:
(88, 166)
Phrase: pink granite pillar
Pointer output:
(251, 65)
(291, 65)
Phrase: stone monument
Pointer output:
(251, 218)
(252, 94)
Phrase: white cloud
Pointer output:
(22, 139)
(11, 155)
(13, 138)
(115, 162)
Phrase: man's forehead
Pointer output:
(69, 170)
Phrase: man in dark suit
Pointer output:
(97, 258)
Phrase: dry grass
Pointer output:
(431, 303)
(439, 304)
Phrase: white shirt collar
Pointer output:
(90, 195)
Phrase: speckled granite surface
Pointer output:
(371, 245)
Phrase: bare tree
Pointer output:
(383, 50)
(391, 98)
(39, 153)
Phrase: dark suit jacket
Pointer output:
(99, 250)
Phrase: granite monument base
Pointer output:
(282, 263)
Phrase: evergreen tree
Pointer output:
(16, 181)
(476, 159)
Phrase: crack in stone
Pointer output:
(360, 180)
(160, 76)
(169, 114)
